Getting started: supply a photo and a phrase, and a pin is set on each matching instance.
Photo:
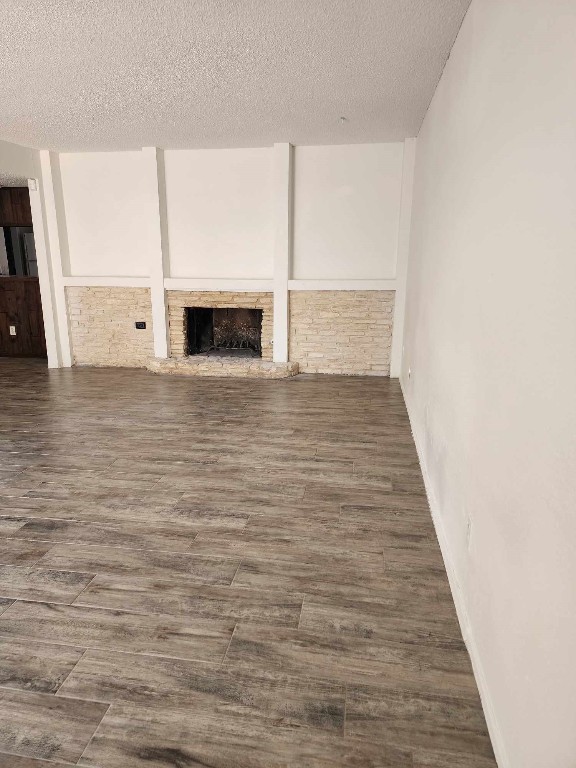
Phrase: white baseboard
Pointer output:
(460, 603)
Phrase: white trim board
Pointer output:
(154, 161)
(44, 275)
(217, 284)
(460, 603)
(402, 254)
(107, 282)
(283, 211)
(342, 285)
(55, 254)
(224, 284)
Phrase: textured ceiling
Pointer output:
(120, 74)
(8, 180)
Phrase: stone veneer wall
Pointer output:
(102, 326)
(179, 300)
(346, 332)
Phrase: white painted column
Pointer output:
(154, 160)
(402, 256)
(283, 177)
(48, 164)
(44, 274)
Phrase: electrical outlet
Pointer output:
(140, 325)
(409, 373)
(12, 330)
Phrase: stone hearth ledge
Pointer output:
(254, 368)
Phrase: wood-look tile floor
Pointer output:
(223, 573)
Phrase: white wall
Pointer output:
(346, 211)
(491, 346)
(18, 162)
(108, 213)
(220, 213)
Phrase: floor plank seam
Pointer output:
(24, 756)
(84, 652)
(301, 611)
(91, 739)
(228, 646)
(87, 545)
(236, 573)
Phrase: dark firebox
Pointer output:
(230, 331)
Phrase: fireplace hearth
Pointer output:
(224, 332)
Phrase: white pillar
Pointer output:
(44, 274)
(55, 228)
(402, 256)
(283, 175)
(154, 160)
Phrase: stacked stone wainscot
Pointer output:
(348, 332)
(103, 326)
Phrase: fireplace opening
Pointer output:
(224, 332)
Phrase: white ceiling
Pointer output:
(9, 180)
(120, 74)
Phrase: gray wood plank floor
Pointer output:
(222, 573)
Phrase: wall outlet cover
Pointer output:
(12, 330)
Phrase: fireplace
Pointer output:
(225, 332)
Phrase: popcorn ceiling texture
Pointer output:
(342, 331)
(220, 73)
(102, 326)
(11, 180)
(179, 300)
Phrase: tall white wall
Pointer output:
(489, 367)
(220, 213)
(107, 213)
(222, 220)
(346, 211)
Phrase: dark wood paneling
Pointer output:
(20, 306)
(15, 207)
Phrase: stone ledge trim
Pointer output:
(221, 367)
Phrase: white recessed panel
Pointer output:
(346, 211)
(219, 213)
(107, 208)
